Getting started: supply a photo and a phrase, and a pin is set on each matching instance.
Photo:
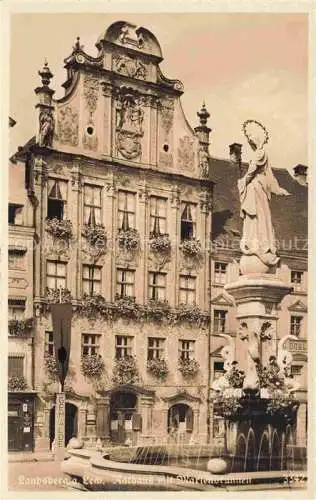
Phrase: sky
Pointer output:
(242, 65)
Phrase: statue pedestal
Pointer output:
(257, 297)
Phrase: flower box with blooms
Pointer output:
(226, 406)
(192, 314)
(17, 383)
(51, 366)
(95, 235)
(235, 376)
(191, 247)
(129, 239)
(59, 228)
(188, 367)
(19, 327)
(158, 368)
(54, 295)
(92, 366)
(93, 306)
(159, 243)
(125, 371)
(270, 376)
(156, 310)
(125, 307)
(282, 405)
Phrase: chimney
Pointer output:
(300, 174)
(235, 153)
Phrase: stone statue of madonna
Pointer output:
(258, 243)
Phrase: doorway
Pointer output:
(180, 422)
(122, 408)
(71, 423)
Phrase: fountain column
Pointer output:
(257, 297)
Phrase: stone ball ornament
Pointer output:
(216, 466)
(75, 443)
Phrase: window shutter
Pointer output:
(137, 422)
(189, 419)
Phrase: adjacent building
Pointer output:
(134, 221)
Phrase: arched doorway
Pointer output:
(180, 421)
(71, 423)
(122, 408)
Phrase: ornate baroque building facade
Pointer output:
(123, 208)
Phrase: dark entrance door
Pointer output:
(122, 409)
(15, 427)
(71, 423)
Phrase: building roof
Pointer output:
(289, 213)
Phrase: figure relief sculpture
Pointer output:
(46, 128)
(255, 189)
(252, 337)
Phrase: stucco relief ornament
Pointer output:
(68, 126)
(258, 243)
(186, 153)
(130, 116)
(91, 92)
(129, 66)
(46, 128)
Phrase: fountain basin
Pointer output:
(96, 472)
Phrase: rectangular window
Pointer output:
(49, 343)
(15, 214)
(89, 344)
(218, 369)
(15, 366)
(123, 346)
(297, 280)
(186, 349)
(91, 280)
(125, 282)
(157, 286)
(188, 221)
(155, 348)
(57, 199)
(92, 205)
(55, 274)
(16, 308)
(126, 210)
(219, 321)
(296, 370)
(16, 259)
(296, 325)
(220, 273)
(158, 215)
(187, 290)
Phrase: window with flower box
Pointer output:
(186, 349)
(158, 215)
(90, 344)
(123, 346)
(219, 321)
(92, 205)
(187, 290)
(297, 280)
(157, 286)
(218, 369)
(156, 348)
(91, 280)
(55, 274)
(296, 325)
(125, 283)
(220, 273)
(126, 210)
(57, 199)
(188, 221)
(49, 343)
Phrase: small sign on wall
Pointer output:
(25, 407)
(26, 429)
(114, 425)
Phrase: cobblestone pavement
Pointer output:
(32, 476)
